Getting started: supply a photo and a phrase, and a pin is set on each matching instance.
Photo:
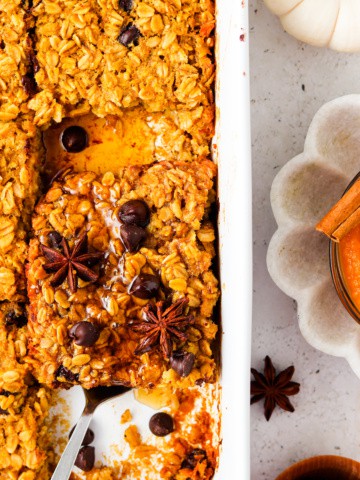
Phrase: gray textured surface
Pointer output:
(289, 83)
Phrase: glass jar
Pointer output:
(338, 275)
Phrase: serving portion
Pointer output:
(107, 236)
(119, 278)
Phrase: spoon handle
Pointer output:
(66, 463)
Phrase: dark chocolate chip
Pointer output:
(135, 212)
(67, 374)
(55, 239)
(84, 334)
(161, 424)
(132, 237)
(85, 458)
(193, 458)
(2, 44)
(16, 318)
(5, 393)
(74, 139)
(3, 412)
(89, 436)
(182, 362)
(126, 5)
(29, 84)
(129, 34)
(145, 286)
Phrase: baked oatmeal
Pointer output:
(107, 55)
(24, 450)
(21, 156)
(119, 268)
(17, 84)
(166, 260)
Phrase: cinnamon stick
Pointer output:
(343, 216)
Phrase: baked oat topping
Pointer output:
(21, 157)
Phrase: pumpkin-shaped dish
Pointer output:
(323, 23)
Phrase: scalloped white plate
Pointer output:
(302, 192)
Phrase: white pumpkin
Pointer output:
(330, 23)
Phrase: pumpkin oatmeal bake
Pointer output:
(107, 236)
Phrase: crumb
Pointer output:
(132, 436)
(126, 416)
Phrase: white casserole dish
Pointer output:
(232, 153)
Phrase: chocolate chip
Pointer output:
(161, 424)
(29, 84)
(16, 319)
(145, 286)
(182, 362)
(126, 5)
(132, 237)
(3, 412)
(129, 34)
(67, 374)
(85, 334)
(5, 393)
(135, 212)
(2, 44)
(74, 139)
(55, 239)
(89, 436)
(85, 458)
(193, 458)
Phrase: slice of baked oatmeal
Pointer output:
(106, 55)
(106, 249)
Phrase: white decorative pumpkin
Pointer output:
(323, 23)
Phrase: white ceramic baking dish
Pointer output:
(235, 231)
(232, 153)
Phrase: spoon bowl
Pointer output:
(93, 398)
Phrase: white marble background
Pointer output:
(289, 83)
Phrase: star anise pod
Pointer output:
(71, 263)
(161, 325)
(275, 389)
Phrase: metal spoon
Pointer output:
(94, 397)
